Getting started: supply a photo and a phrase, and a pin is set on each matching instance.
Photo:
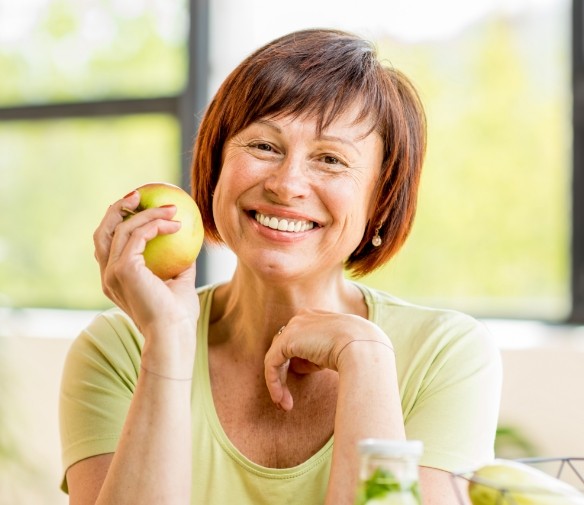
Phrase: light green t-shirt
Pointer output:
(449, 372)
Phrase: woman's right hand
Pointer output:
(119, 246)
(157, 429)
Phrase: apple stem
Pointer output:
(129, 211)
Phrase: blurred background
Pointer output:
(100, 96)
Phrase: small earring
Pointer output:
(376, 240)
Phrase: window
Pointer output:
(65, 50)
(492, 234)
(58, 177)
(87, 81)
(491, 237)
(91, 106)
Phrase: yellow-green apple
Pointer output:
(169, 255)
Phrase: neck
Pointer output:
(248, 311)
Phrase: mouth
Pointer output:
(284, 224)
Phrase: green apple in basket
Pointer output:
(508, 482)
(169, 255)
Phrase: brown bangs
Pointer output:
(308, 78)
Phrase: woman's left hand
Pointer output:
(311, 341)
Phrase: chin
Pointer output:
(277, 267)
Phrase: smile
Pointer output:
(289, 225)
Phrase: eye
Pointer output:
(262, 146)
(331, 160)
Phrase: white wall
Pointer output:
(543, 391)
(30, 384)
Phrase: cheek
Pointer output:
(233, 182)
(353, 200)
(237, 174)
(221, 202)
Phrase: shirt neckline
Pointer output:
(203, 378)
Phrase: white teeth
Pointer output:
(283, 224)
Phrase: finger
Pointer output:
(148, 223)
(185, 281)
(129, 243)
(276, 367)
(126, 266)
(303, 366)
(103, 235)
(280, 393)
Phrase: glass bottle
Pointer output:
(388, 473)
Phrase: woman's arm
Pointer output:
(368, 405)
(152, 461)
(368, 401)
(437, 488)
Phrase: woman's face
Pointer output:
(292, 203)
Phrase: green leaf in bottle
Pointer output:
(382, 488)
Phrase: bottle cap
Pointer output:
(395, 448)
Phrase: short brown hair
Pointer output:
(321, 73)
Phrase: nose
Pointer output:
(288, 180)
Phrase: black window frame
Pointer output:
(187, 106)
(577, 242)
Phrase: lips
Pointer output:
(284, 224)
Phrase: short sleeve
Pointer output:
(456, 408)
(98, 381)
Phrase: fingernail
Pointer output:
(167, 206)
(129, 194)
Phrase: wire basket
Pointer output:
(567, 469)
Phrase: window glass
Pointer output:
(492, 232)
(57, 178)
(491, 236)
(72, 50)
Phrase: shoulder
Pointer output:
(110, 346)
(450, 375)
(387, 309)
(109, 328)
(113, 333)
(436, 330)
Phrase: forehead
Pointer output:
(352, 120)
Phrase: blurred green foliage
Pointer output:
(492, 232)
(58, 179)
(66, 50)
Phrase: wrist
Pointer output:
(364, 352)
(170, 351)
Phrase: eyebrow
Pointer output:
(342, 140)
(269, 123)
(329, 138)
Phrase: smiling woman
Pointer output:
(312, 132)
